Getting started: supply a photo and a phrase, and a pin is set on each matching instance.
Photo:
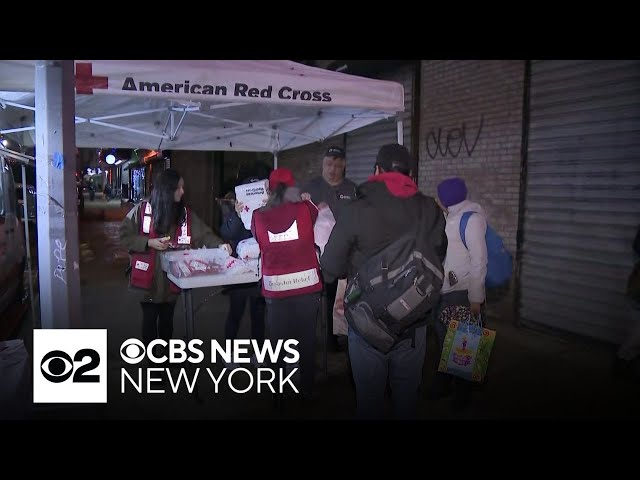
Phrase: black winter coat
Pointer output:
(372, 222)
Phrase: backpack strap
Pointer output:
(417, 229)
(463, 226)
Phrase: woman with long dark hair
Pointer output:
(154, 226)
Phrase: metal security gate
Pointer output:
(582, 198)
(363, 144)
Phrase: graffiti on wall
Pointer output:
(60, 252)
(450, 142)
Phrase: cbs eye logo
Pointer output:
(70, 366)
(132, 351)
(57, 367)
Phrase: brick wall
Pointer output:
(480, 101)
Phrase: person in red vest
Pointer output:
(154, 226)
(291, 279)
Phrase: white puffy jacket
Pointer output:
(469, 266)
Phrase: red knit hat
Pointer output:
(281, 175)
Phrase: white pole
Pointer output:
(25, 217)
(400, 131)
(57, 215)
(275, 153)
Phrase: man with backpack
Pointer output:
(390, 239)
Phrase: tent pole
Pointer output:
(275, 152)
(25, 218)
(15, 130)
(400, 131)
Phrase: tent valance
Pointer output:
(243, 105)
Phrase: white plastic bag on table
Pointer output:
(253, 196)
(238, 266)
(323, 226)
(248, 248)
(15, 380)
(189, 263)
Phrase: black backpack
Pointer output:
(394, 290)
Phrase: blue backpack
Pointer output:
(499, 260)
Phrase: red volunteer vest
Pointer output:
(143, 264)
(289, 262)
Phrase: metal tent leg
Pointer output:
(187, 303)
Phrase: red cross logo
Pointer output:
(86, 82)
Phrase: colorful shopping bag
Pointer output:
(466, 350)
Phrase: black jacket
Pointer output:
(232, 229)
(377, 218)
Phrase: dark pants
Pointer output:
(238, 298)
(331, 289)
(295, 317)
(401, 369)
(461, 387)
(157, 321)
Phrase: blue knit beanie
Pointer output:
(452, 191)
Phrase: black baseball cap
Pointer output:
(335, 152)
(394, 157)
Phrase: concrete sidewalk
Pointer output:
(532, 374)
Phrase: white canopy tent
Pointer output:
(238, 105)
(241, 105)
